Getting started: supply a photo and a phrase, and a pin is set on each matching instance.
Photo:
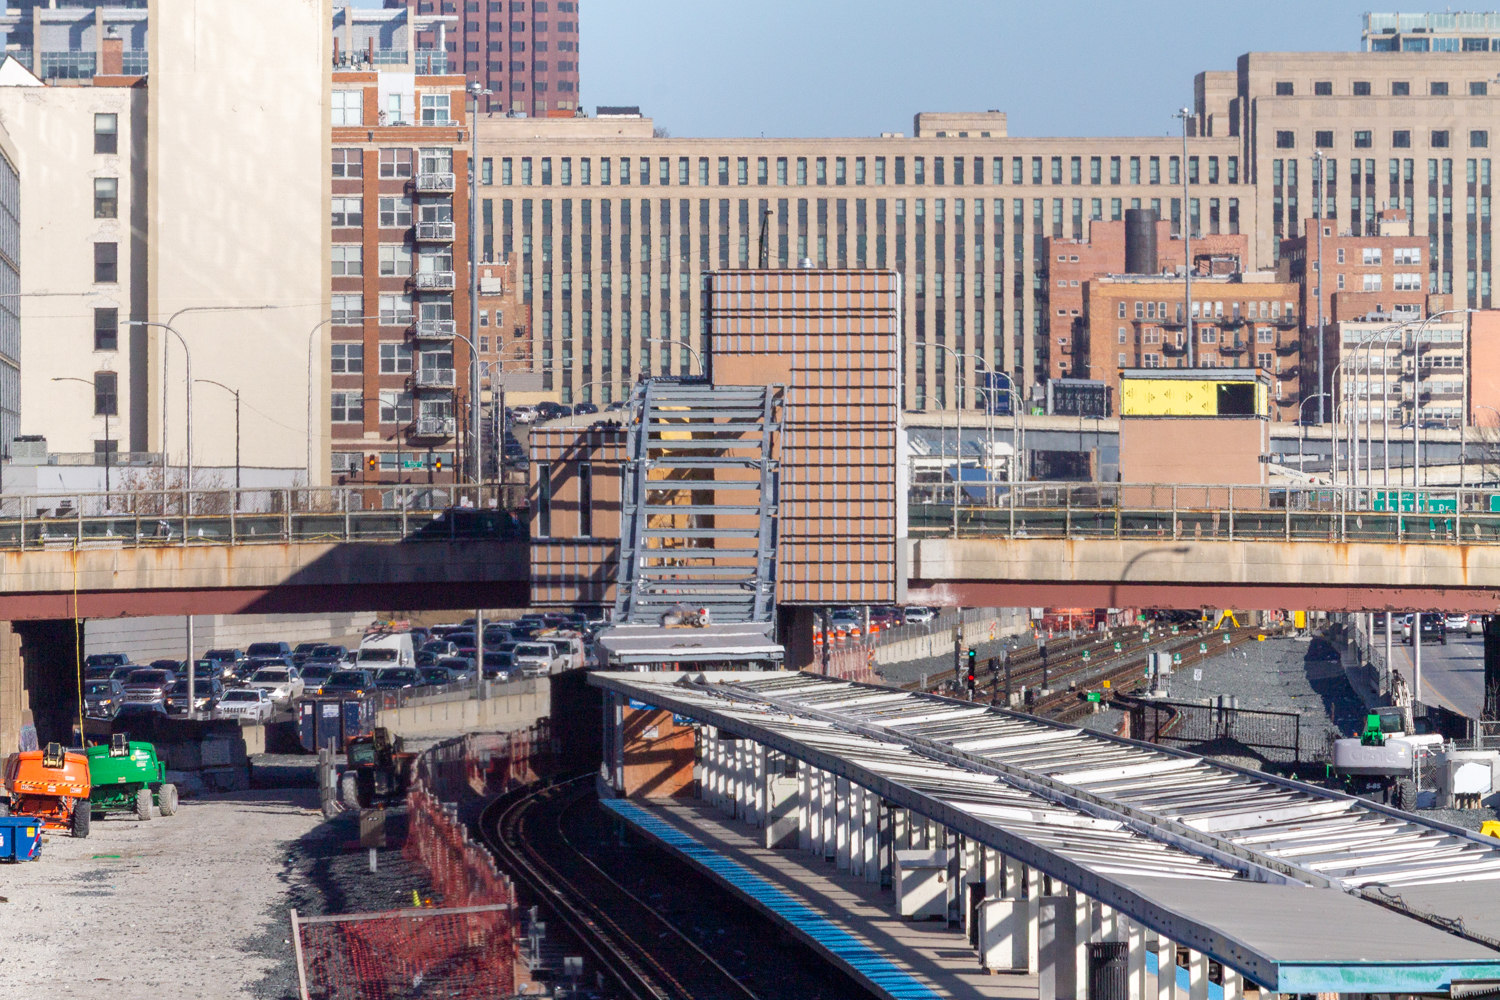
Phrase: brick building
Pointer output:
(525, 52)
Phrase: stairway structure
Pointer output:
(698, 502)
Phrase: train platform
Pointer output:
(848, 921)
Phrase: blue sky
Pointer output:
(841, 67)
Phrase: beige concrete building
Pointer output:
(616, 227)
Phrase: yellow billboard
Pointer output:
(1179, 397)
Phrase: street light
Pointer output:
(1187, 240)
(310, 368)
(188, 355)
(91, 385)
(1321, 160)
(236, 394)
(475, 93)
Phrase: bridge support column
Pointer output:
(1057, 974)
(39, 675)
(758, 800)
(15, 702)
(804, 812)
(1234, 984)
(872, 837)
(856, 831)
(794, 629)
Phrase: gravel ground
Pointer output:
(167, 908)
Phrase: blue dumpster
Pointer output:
(20, 838)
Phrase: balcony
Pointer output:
(433, 378)
(435, 329)
(435, 232)
(435, 183)
(1238, 347)
(433, 427)
(434, 281)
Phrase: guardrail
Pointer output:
(1213, 512)
(375, 512)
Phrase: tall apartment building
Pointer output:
(615, 229)
(1446, 32)
(524, 52)
(1380, 369)
(397, 355)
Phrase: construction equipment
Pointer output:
(379, 770)
(128, 777)
(1381, 761)
(50, 784)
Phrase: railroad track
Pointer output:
(637, 947)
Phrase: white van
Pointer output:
(378, 650)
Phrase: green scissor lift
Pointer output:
(127, 777)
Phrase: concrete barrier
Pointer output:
(512, 709)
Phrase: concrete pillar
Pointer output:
(1166, 969)
(872, 838)
(39, 670)
(758, 802)
(804, 806)
(1234, 984)
(1197, 976)
(1083, 932)
(830, 817)
(1135, 957)
(843, 803)
(14, 698)
(856, 831)
(900, 829)
(1033, 887)
(794, 629)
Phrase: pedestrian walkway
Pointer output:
(850, 922)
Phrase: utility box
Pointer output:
(1003, 930)
(1468, 779)
(1057, 930)
(922, 884)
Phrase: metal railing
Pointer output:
(434, 427)
(1446, 515)
(433, 378)
(435, 232)
(436, 329)
(365, 513)
(434, 281)
(436, 182)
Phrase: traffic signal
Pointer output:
(370, 463)
(973, 659)
(440, 464)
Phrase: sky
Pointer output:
(862, 67)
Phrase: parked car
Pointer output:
(102, 698)
(206, 694)
(283, 684)
(146, 689)
(313, 676)
(1455, 622)
(122, 673)
(1432, 630)
(548, 410)
(396, 678)
(523, 415)
(918, 615)
(245, 704)
(581, 409)
(106, 660)
(442, 647)
(229, 660)
(348, 682)
(256, 664)
(302, 651)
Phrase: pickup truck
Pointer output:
(536, 659)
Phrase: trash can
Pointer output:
(20, 838)
(1108, 973)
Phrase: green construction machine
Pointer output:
(127, 777)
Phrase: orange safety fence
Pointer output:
(466, 947)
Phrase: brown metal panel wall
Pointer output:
(567, 569)
(841, 331)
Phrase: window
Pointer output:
(397, 163)
(1401, 139)
(347, 310)
(348, 359)
(1371, 282)
(106, 329)
(348, 107)
(1323, 88)
(1407, 255)
(801, 171)
(106, 197)
(106, 133)
(348, 213)
(395, 407)
(1363, 140)
(1340, 256)
(435, 109)
(1370, 256)
(348, 163)
(585, 499)
(1400, 88)
(1437, 88)
(395, 261)
(1264, 334)
(106, 394)
(1323, 139)
(1286, 140)
(840, 176)
(822, 166)
(395, 359)
(106, 266)
(348, 408)
(1361, 88)
(1439, 138)
(1406, 282)
(544, 499)
(348, 260)
(395, 213)
(1479, 139)
(1283, 88)
(1478, 88)
(395, 310)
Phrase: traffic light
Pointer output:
(370, 463)
(973, 659)
(439, 464)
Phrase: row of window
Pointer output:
(395, 407)
(1438, 138)
(519, 27)
(395, 212)
(348, 108)
(1055, 170)
(1209, 310)
(395, 163)
(497, 7)
(1398, 88)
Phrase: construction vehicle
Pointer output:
(379, 770)
(51, 784)
(128, 777)
(1381, 761)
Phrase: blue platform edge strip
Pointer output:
(862, 958)
(1215, 991)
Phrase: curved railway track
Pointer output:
(637, 947)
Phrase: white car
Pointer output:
(245, 705)
(534, 659)
(919, 615)
(284, 684)
(1455, 622)
(523, 414)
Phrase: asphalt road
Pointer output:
(1452, 675)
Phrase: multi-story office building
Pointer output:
(524, 52)
(67, 41)
(1447, 32)
(398, 358)
(615, 228)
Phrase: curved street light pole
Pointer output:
(74, 378)
(188, 355)
(236, 394)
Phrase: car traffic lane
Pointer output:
(1452, 674)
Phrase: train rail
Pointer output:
(636, 946)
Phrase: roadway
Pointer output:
(1452, 675)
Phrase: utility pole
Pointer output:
(1187, 242)
(1322, 188)
(765, 244)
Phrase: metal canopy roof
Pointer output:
(718, 642)
(1243, 866)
